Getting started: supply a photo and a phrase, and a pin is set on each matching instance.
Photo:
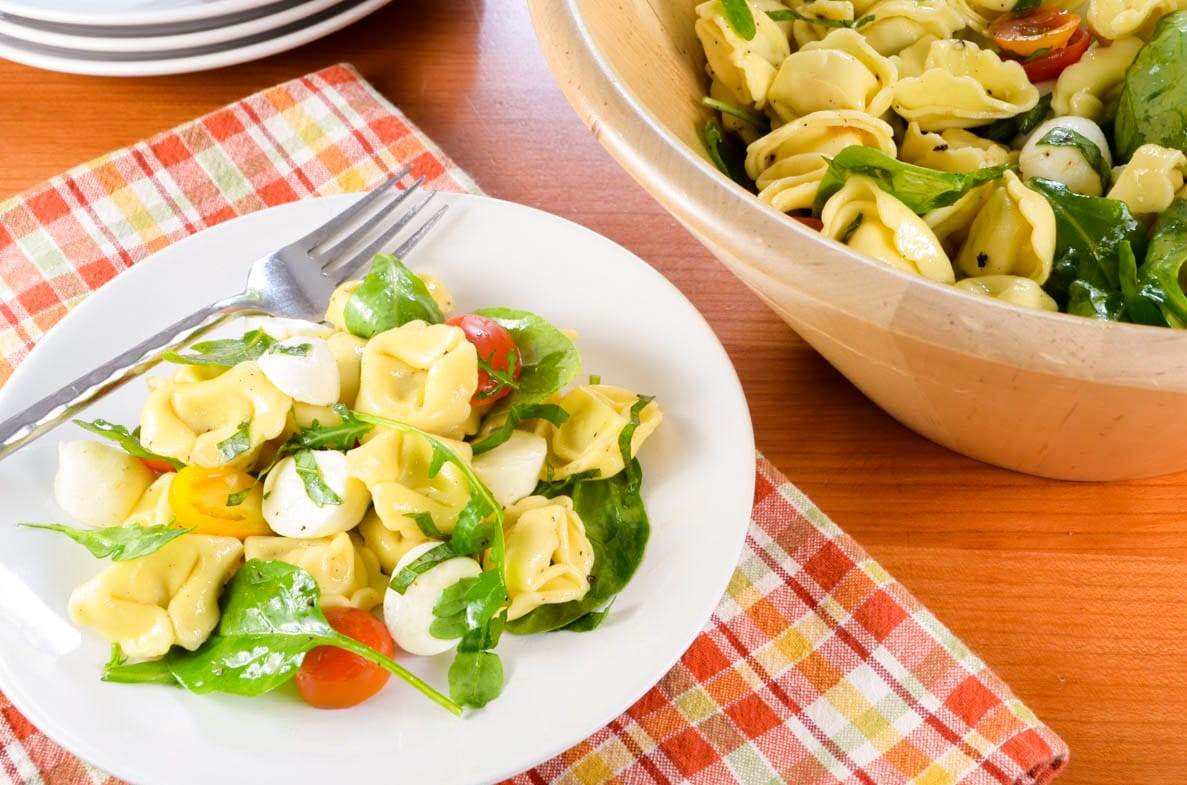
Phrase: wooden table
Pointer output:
(1071, 592)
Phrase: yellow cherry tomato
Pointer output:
(222, 501)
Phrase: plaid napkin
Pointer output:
(817, 668)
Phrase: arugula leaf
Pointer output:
(120, 543)
(315, 485)
(726, 154)
(476, 678)
(550, 487)
(225, 352)
(1005, 131)
(427, 527)
(237, 443)
(117, 656)
(550, 360)
(919, 188)
(515, 415)
(129, 441)
(504, 378)
(1062, 136)
(740, 18)
(628, 434)
(390, 295)
(271, 619)
(470, 604)
(756, 120)
(1153, 104)
(343, 436)
(788, 15)
(1158, 280)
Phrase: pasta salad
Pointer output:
(304, 501)
(1030, 151)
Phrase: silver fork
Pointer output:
(294, 282)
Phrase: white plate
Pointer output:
(126, 12)
(187, 60)
(635, 329)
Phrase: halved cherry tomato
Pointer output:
(497, 352)
(1027, 32)
(205, 499)
(158, 465)
(331, 678)
(810, 222)
(1047, 67)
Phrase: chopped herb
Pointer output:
(759, 122)
(297, 350)
(595, 379)
(235, 499)
(1062, 136)
(315, 485)
(852, 228)
(982, 260)
(725, 153)
(788, 15)
(427, 526)
(504, 378)
(740, 18)
(627, 435)
(237, 443)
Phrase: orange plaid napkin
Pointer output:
(817, 668)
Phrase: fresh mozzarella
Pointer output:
(304, 369)
(280, 329)
(97, 484)
(1066, 164)
(512, 469)
(409, 615)
(291, 511)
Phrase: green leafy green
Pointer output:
(503, 378)
(1158, 279)
(919, 188)
(119, 543)
(296, 350)
(315, 485)
(590, 621)
(1094, 302)
(1062, 136)
(344, 436)
(563, 487)
(237, 443)
(390, 295)
(1026, 5)
(237, 498)
(550, 360)
(475, 678)
(225, 352)
(753, 118)
(740, 18)
(117, 656)
(726, 154)
(788, 15)
(515, 415)
(627, 434)
(1005, 131)
(425, 523)
(1141, 306)
(271, 619)
(1153, 105)
(128, 441)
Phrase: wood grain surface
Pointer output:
(1071, 592)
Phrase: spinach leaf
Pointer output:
(756, 120)
(270, 620)
(788, 15)
(424, 522)
(129, 441)
(726, 154)
(919, 188)
(475, 678)
(1062, 136)
(515, 415)
(1089, 231)
(237, 443)
(315, 485)
(617, 527)
(1093, 302)
(120, 543)
(590, 621)
(1005, 131)
(740, 18)
(1153, 105)
(1141, 302)
(550, 360)
(1158, 280)
(627, 434)
(390, 295)
(225, 352)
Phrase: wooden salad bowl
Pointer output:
(1042, 393)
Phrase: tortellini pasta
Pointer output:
(744, 68)
(420, 374)
(952, 150)
(833, 10)
(1014, 234)
(1012, 289)
(1149, 182)
(588, 440)
(167, 598)
(1091, 87)
(789, 162)
(1115, 19)
(899, 23)
(390, 544)
(153, 507)
(841, 71)
(189, 421)
(869, 220)
(962, 86)
(395, 468)
(346, 570)
(548, 557)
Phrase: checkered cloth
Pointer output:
(817, 668)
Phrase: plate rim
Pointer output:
(200, 10)
(43, 722)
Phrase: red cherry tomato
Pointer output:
(1027, 32)
(158, 465)
(810, 222)
(1047, 67)
(498, 357)
(331, 678)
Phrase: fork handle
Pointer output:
(41, 417)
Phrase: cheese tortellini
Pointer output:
(898, 24)
(841, 71)
(346, 570)
(1149, 182)
(952, 150)
(1116, 19)
(1012, 289)
(1014, 234)
(168, 598)
(588, 440)
(1091, 87)
(744, 68)
(549, 557)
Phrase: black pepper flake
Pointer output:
(940, 148)
(982, 260)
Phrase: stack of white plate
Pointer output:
(151, 37)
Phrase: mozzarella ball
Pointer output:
(409, 615)
(280, 328)
(1066, 164)
(303, 369)
(292, 512)
(512, 469)
(97, 484)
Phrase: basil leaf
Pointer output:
(315, 485)
(1153, 105)
(756, 120)
(271, 618)
(237, 443)
(788, 15)
(1158, 280)
(225, 352)
(919, 188)
(296, 350)
(628, 434)
(1005, 131)
(119, 543)
(420, 565)
(475, 678)
(740, 18)
(344, 436)
(726, 154)
(1061, 136)
(550, 360)
(515, 415)
(390, 295)
(129, 441)
(235, 499)
(427, 527)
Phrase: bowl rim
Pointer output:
(625, 127)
